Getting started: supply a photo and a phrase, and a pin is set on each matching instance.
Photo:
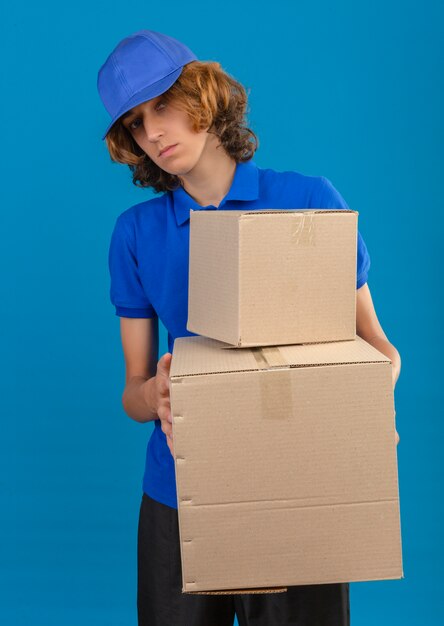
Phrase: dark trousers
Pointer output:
(160, 601)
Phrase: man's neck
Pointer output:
(211, 179)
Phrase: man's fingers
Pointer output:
(164, 411)
(164, 364)
(166, 428)
(163, 374)
(170, 443)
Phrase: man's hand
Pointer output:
(160, 388)
(396, 433)
(395, 374)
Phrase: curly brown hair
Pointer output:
(213, 99)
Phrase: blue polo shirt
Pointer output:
(148, 264)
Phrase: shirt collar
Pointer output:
(245, 186)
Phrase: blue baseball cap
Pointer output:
(141, 67)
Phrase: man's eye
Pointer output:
(134, 124)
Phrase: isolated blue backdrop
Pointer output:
(352, 91)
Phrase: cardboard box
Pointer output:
(259, 278)
(286, 464)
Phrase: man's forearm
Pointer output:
(384, 346)
(138, 402)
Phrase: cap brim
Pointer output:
(154, 90)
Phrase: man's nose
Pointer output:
(152, 131)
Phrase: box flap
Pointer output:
(201, 355)
(238, 591)
(274, 211)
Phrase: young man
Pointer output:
(180, 126)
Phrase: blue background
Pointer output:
(352, 91)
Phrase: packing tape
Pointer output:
(274, 379)
(303, 228)
(273, 357)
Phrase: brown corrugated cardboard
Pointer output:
(274, 277)
(286, 464)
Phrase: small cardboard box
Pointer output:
(274, 277)
(286, 464)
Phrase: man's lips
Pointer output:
(167, 150)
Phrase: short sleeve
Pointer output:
(363, 263)
(329, 198)
(126, 290)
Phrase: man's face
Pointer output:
(156, 124)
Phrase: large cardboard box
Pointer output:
(285, 463)
(274, 277)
